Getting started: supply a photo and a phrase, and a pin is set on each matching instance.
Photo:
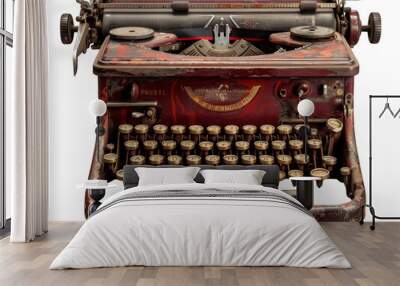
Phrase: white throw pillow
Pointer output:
(166, 176)
(247, 177)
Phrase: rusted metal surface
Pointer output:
(314, 59)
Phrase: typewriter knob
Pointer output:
(67, 29)
(374, 28)
(120, 175)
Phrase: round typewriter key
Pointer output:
(266, 160)
(224, 145)
(296, 144)
(249, 159)
(120, 175)
(267, 129)
(150, 144)
(174, 160)
(110, 158)
(110, 147)
(231, 160)
(131, 145)
(278, 145)
(315, 144)
(284, 129)
(178, 129)
(214, 130)
(284, 159)
(137, 160)
(141, 129)
(261, 145)
(168, 145)
(193, 160)
(156, 160)
(242, 145)
(321, 173)
(249, 129)
(160, 129)
(345, 171)
(302, 159)
(295, 173)
(196, 129)
(231, 129)
(329, 161)
(206, 145)
(187, 145)
(334, 125)
(213, 160)
(125, 128)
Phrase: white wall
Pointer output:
(72, 128)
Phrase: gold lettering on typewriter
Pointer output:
(222, 94)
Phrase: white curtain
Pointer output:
(26, 123)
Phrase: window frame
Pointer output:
(6, 39)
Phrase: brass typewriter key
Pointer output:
(261, 147)
(206, 147)
(223, 147)
(282, 175)
(195, 132)
(120, 175)
(278, 146)
(295, 173)
(267, 131)
(329, 162)
(110, 164)
(249, 159)
(193, 160)
(156, 160)
(137, 160)
(266, 160)
(168, 146)
(231, 160)
(284, 162)
(160, 130)
(315, 145)
(231, 132)
(284, 131)
(150, 146)
(213, 132)
(131, 147)
(178, 131)
(141, 131)
(335, 127)
(242, 147)
(296, 146)
(345, 172)
(321, 173)
(110, 148)
(125, 128)
(174, 160)
(249, 131)
(187, 146)
(302, 160)
(213, 160)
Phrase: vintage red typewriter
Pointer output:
(218, 82)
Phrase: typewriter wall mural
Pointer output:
(218, 82)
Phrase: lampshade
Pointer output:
(97, 107)
(306, 107)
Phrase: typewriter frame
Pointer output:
(328, 60)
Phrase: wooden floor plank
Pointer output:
(375, 257)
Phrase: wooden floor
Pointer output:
(375, 257)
